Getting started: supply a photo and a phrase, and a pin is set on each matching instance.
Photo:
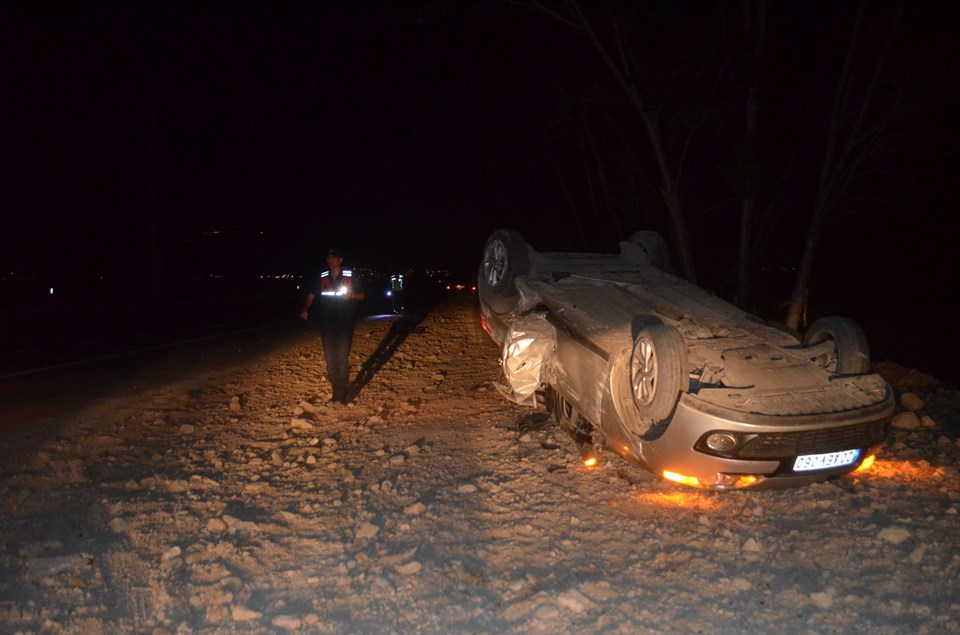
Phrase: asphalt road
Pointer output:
(29, 398)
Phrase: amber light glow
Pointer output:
(867, 463)
(917, 474)
(680, 478)
(486, 328)
(588, 453)
(686, 499)
(721, 481)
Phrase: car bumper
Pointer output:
(767, 446)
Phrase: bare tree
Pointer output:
(853, 136)
(573, 207)
(754, 23)
(153, 202)
(621, 70)
(603, 181)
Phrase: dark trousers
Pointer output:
(337, 337)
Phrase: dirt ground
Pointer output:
(232, 499)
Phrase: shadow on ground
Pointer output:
(398, 333)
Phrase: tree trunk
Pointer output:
(671, 196)
(669, 187)
(602, 179)
(796, 311)
(752, 21)
(153, 205)
(573, 207)
(841, 160)
(743, 298)
(748, 169)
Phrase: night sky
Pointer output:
(407, 131)
(392, 132)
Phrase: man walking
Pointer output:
(338, 293)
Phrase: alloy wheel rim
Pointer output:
(644, 372)
(495, 263)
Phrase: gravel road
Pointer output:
(231, 499)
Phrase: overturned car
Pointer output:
(631, 358)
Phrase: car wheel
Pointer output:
(567, 416)
(658, 370)
(849, 355)
(655, 247)
(505, 256)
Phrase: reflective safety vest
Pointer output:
(342, 287)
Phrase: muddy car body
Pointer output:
(674, 378)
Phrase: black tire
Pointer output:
(851, 354)
(505, 256)
(567, 416)
(658, 370)
(655, 247)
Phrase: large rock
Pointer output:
(906, 421)
(911, 401)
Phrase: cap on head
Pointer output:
(335, 251)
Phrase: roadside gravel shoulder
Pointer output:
(236, 501)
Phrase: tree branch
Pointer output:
(555, 15)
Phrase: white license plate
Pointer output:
(808, 462)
